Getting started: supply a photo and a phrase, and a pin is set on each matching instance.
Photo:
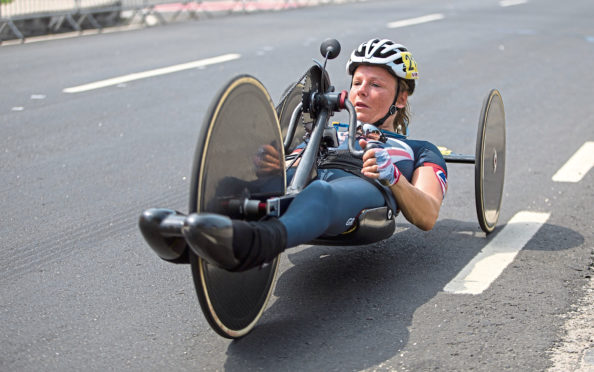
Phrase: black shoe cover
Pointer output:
(210, 236)
(234, 245)
(256, 243)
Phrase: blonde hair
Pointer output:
(402, 118)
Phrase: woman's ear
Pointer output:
(402, 99)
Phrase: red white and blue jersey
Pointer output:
(408, 155)
(340, 184)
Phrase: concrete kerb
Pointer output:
(22, 26)
(84, 21)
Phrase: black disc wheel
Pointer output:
(285, 108)
(239, 130)
(490, 161)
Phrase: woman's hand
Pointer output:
(268, 161)
(377, 164)
(369, 163)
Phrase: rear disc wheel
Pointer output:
(490, 161)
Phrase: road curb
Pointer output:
(48, 24)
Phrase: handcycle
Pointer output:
(242, 121)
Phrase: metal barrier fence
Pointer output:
(55, 15)
(21, 9)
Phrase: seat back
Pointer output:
(371, 226)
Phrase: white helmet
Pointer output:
(386, 53)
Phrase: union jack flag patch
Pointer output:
(442, 178)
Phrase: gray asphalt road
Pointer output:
(80, 289)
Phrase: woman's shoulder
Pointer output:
(427, 152)
(423, 151)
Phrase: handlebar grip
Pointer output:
(343, 97)
(353, 130)
(372, 145)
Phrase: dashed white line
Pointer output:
(506, 3)
(578, 165)
(486, 267)
(151, 73)
(416, 21)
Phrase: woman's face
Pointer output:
(372, 93)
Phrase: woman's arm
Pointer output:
(419, 200)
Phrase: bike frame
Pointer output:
(323, 105)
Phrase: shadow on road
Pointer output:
(349, 308)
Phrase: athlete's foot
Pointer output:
(234, 245)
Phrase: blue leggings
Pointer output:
(327, 205)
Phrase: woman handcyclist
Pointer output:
(403, 174)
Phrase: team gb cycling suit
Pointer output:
(330, 203)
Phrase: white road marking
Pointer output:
(151, 73)
(505, 3)
(486, 267)
(578, 165)
(416, 21)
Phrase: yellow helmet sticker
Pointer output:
(410, 66)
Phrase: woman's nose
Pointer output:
(362, 90)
